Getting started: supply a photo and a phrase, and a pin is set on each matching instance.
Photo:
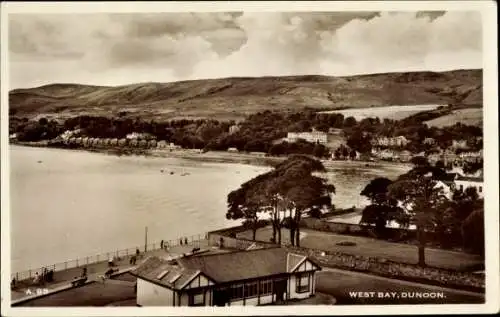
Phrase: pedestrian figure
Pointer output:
(185, 241)
(180, 241)
(161, 244)
(13, 283)
(36, 279)
(44, 275)
(84, 272)
(137, 252)
(133, 259)
(50, 276)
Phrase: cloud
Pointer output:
(117, 49)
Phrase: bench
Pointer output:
(78, 281)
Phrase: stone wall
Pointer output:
(354, 229)
(387, 268)
(328, 226)
(214, 239)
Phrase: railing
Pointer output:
(118, 255)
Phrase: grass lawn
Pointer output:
(370, 247)
(341, 284)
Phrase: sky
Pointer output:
(118, 49)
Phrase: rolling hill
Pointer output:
(233, 98)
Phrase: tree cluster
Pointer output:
(291, 189)
(415, 199)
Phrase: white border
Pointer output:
(490, 84)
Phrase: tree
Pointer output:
(377, 190)
(359, 141)
(421, 201)
(292, 188)
(382, 208)
(301, 189)
(473, 232)
(243, 203)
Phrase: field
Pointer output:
(235, 98)
(389, 112)
(470, 116)
(369, 247)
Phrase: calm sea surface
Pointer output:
(71, 204)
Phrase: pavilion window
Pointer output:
(266, 287)
(302, 283)
(237, 292)
(251, 289)
(197, 299)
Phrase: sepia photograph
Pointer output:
(306, 158)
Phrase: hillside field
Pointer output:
(234, 98)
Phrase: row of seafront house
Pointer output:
(383, 148)
(391, 149)
(135, 139)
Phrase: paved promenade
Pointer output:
(62, 279)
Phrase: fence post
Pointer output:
(54, 268)
(30, 272)
(76, 262)
(17, 276)
(87, 260)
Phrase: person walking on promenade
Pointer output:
(186, 241)
(161, 244)
(133, 260)
(180, 241)
(36, 279)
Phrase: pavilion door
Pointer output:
(220, 297)
(279, 289)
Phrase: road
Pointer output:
(353, 288)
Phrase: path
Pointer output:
(343, 284)
(95, 271)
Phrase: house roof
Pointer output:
(448, 177)
(242, 265)
(469, 178)
(239, 265)
(220, 267)
(162, 272)
(293, 260)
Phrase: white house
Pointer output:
(250, 277)
(463, 182)
(446, 187)
(140, 136)
(234, 128)
(459, 144)
(398, 141)
(313, 137)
